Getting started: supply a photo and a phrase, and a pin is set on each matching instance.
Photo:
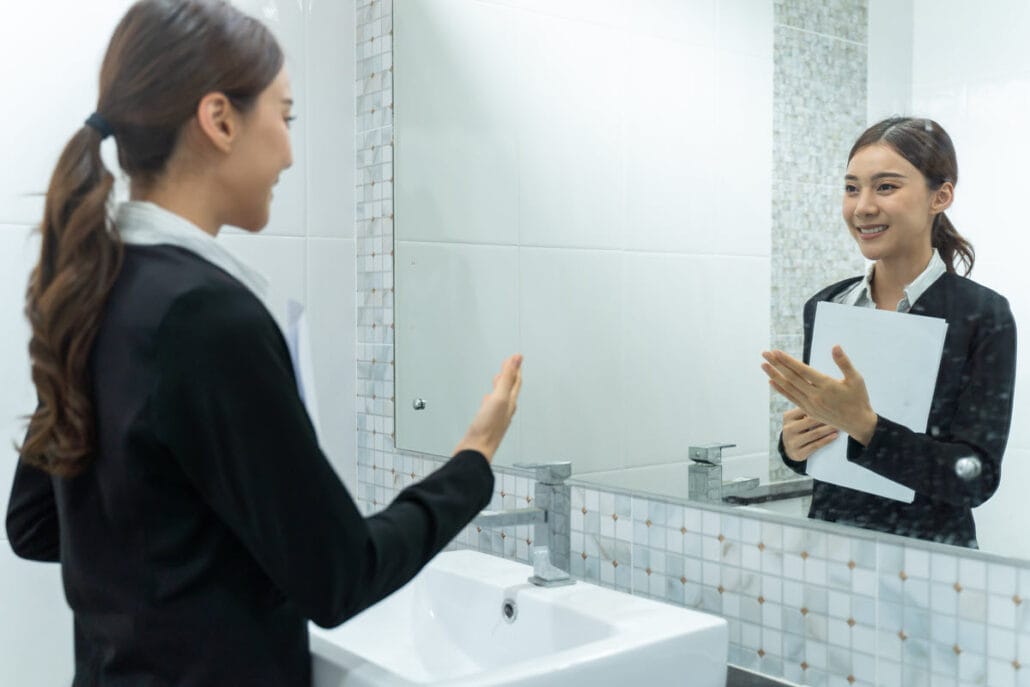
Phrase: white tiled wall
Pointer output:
(307, 250)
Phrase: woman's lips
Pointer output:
(871, 231)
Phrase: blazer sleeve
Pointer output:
(32, 523)
(226, 405)
(979, 427)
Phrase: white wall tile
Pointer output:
(36, 645)
(675, 295)
(329, 110)
(56, 90)
(575, 292)
(331, 322)
(450, 359)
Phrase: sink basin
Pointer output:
(452, 625)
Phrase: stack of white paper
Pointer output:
(898, 355)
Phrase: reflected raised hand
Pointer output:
(839, 403)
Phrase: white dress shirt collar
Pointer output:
(143, 223)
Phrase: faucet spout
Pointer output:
(510, 518)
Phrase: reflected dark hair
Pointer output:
(163, 58)
(927, 146)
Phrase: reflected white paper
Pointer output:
(898, 355)
(299, 343)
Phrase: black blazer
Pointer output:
(969, 416)
(210, 527)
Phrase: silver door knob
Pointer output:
(419, 404)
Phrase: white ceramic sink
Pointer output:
(448, 627)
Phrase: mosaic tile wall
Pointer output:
(804, 601)
(819, 108)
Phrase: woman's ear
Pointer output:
(942, 198)
(218, 121)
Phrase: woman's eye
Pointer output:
(289, 120)
(850, 188)
(886, 187)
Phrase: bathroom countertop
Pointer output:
(741, 677)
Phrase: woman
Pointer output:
(900, 179)
(170, 465)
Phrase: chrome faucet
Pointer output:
(551, 518)
(704, 475)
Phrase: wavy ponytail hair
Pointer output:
(163, 58)
(927, 146)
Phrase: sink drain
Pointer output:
(509, 610)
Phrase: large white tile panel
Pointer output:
(331, 324)
(282, 260)
(570, 315)
(889, 64)
(329, 112)
(745, 26)
(670, 148)
(55, 89)
(571, 137)
(19, 251)
(694, 329)
(455, 136)
(684, 21)
(457, 319)
(742, 160)
(36, 646)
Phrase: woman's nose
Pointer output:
(866, 206)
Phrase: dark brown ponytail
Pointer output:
(925, 144)
(164, 57)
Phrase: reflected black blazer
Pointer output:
(210, 527)
(970, 416)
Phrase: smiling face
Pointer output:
(888, 206)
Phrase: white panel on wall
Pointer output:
(328, 110)
(36, 646)
(19, 250)
(889, 59)
(571, 132)
(745, 26)
(569, 377)
(55, 90)
(741, 164)
(450, 358)
(678, 311)
(468, 152)
(330, 316)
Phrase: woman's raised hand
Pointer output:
(495, 412)
(841, 403)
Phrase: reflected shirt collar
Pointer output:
(142, 223)
(861, 294)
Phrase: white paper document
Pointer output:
(898, 355)
(299, 343)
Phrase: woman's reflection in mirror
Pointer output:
(900, 180)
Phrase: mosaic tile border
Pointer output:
(804, 601)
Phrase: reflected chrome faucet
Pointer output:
(704, 475)
(550, 518)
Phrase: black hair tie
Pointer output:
(97, 121)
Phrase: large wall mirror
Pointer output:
(640, 197)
